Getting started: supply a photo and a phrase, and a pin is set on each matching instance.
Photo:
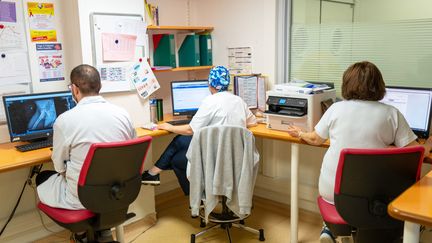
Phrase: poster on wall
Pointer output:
(8, 12)
(11, 30)
(240, 60)
(41, 21)
(51, 64)
(143, 79)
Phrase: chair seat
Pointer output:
(66, 216)
(329, 213)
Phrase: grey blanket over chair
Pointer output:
(223, 161)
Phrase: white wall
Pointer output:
(240, 23)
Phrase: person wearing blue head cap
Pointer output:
(219, 78)
(220, 108)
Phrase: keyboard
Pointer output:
(179, 122)
(34, 145)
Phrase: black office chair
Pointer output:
(109, 182)
(367, 180)
(204, 143)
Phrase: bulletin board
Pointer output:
(14, 62)
(118, 42)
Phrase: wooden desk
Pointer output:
(12, 159)
(262, 131)
(414, 206)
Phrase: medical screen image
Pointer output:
(35, 114)
(44, 115)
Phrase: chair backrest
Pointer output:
(110, 178)
(368, 179)
(223, 160)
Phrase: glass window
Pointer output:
(328, 35)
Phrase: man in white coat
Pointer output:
(93, 120)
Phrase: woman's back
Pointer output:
(358, 124)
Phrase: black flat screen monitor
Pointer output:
(414, 104)
(31, 116)
(187, 96)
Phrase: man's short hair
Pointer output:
(87, 79)
(363, 81)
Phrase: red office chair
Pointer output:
(367, 180)
(109, 181)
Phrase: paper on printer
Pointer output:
(300, 87)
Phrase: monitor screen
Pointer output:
(32, 116)
(187, 96)
(414, 104)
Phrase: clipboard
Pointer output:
(251, 88)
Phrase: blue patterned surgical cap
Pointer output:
(219, 78)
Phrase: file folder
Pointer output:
(206, 56)
(189, 52)
(164, 50)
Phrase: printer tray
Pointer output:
(282, 122)
(297, 113)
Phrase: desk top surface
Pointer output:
(415, 204)
(11, 159)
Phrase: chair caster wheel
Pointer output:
(261, 235)
(192, 238)
(242, 222)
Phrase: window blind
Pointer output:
(402, 50)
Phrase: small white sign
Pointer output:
(240, 60)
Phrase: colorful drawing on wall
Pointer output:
(41, 21)
(51, 65)
(8, 12)
(143, 79)
(11, 29)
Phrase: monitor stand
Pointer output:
(38, 140)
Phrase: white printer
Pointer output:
(299, 106)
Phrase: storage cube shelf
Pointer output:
(179, 29)
(180, 33)
(180, 69)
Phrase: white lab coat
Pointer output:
(222, 108)
(92, 120)
(358, 124)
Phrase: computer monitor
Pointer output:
(414, 104)
(31, 116)
(187, 96)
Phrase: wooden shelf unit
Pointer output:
(195, 29)
(171, 29)
(179, 69)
